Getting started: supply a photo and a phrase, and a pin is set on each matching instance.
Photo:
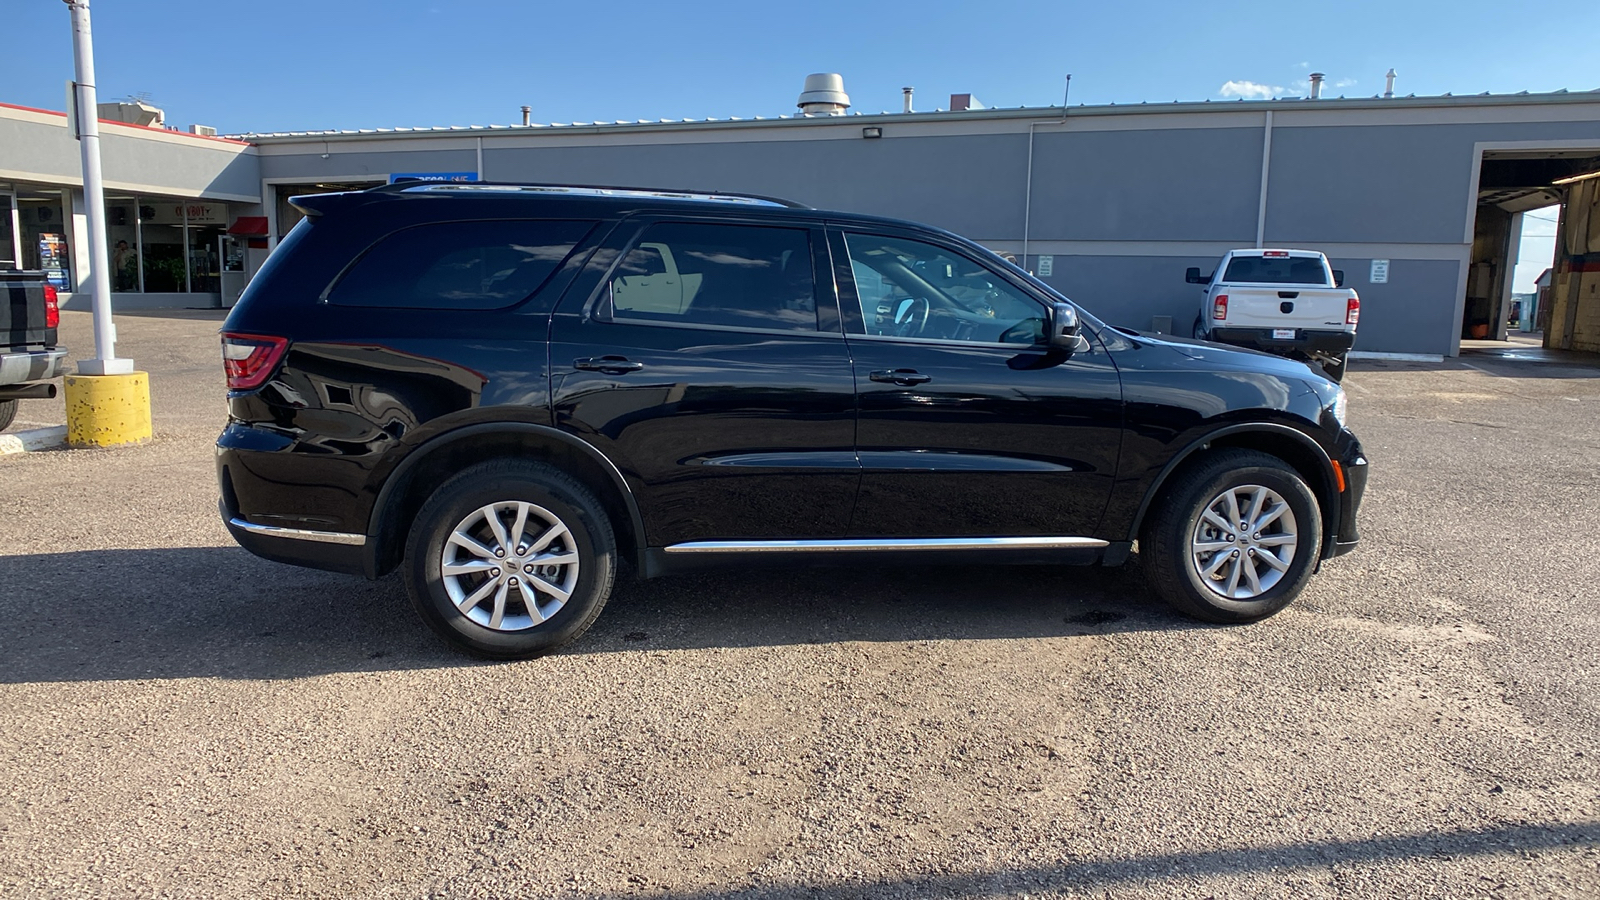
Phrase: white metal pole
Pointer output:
(105, 360)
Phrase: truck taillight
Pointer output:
(1219, 307)
(1352, 310)
(52, 307)
(248, 359)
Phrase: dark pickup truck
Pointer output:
(29, 356)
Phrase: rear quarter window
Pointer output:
(459, 265)
(1277, 270)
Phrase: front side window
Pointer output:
(458, 265)
(721, 276)
(912, 289)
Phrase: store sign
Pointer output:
(433, 176)
(169, 212)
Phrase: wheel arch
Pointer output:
(1299, 450)
(430, 464)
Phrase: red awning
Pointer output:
(249, 225)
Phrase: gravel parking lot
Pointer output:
(178, 718)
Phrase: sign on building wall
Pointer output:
(1380, 272)
(172, 212)
(1047, 266)
(433, 176)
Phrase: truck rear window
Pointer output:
(1277, 270)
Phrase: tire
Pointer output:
(494, 619)
(1173, 544)
(1197, 330)
(8, 413)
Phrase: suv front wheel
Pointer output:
(510, 560)
(1236, 538)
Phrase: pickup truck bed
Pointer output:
(29, 356)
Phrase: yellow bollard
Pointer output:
(108, 410)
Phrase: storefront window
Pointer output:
(44, 229)
(122, 232)
(8, 231)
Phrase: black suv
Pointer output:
(503, 389)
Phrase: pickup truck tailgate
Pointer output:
(22, 311)
(1287, 306)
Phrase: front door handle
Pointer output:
(906, 377)
(611, 365)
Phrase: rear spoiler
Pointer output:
(313, 205)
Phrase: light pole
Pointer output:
(94, 199)
(108, 403)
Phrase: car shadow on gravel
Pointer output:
(1173, 874)
(218, 612)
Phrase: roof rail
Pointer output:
(417, 185)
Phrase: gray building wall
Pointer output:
(1124, 198)
(37, 146)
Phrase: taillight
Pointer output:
(1219, 309)
(249, 358)
(52, 307)
(1352, 310)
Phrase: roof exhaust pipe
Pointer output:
(907, 92)
(1316, 85)
(824, 95)
(527, 115)
(1388, 85)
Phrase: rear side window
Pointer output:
(1277, 270)
(722, 276)
(458, 265)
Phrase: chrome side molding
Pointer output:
(300, 534)
(869, 544)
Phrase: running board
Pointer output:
(300, 534)
(877, 544)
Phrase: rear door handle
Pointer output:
(905, 377)
(611, 365)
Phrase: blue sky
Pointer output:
(292, 64)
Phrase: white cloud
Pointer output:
(1304, 65)
(1249, 90)
(1344, 83)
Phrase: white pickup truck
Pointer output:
(1288, 302)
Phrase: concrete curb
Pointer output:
(33, 439)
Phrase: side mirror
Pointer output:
(1338, 278)
(1063, 334)
(1192, 276)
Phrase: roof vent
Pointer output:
(824, 95)
(203, 130)
(963, 102)
(1316, 85)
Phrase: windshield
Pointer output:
(1277, 270)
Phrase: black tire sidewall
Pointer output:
(471, 490)
(1192, 504)
(8, 413)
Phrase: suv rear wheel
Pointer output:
(1236, 539)
(510, 560)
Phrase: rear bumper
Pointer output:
(23, 366)
(244, 464)
(1305, 340)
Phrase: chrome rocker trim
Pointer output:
(972, 543)
(300, 534)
